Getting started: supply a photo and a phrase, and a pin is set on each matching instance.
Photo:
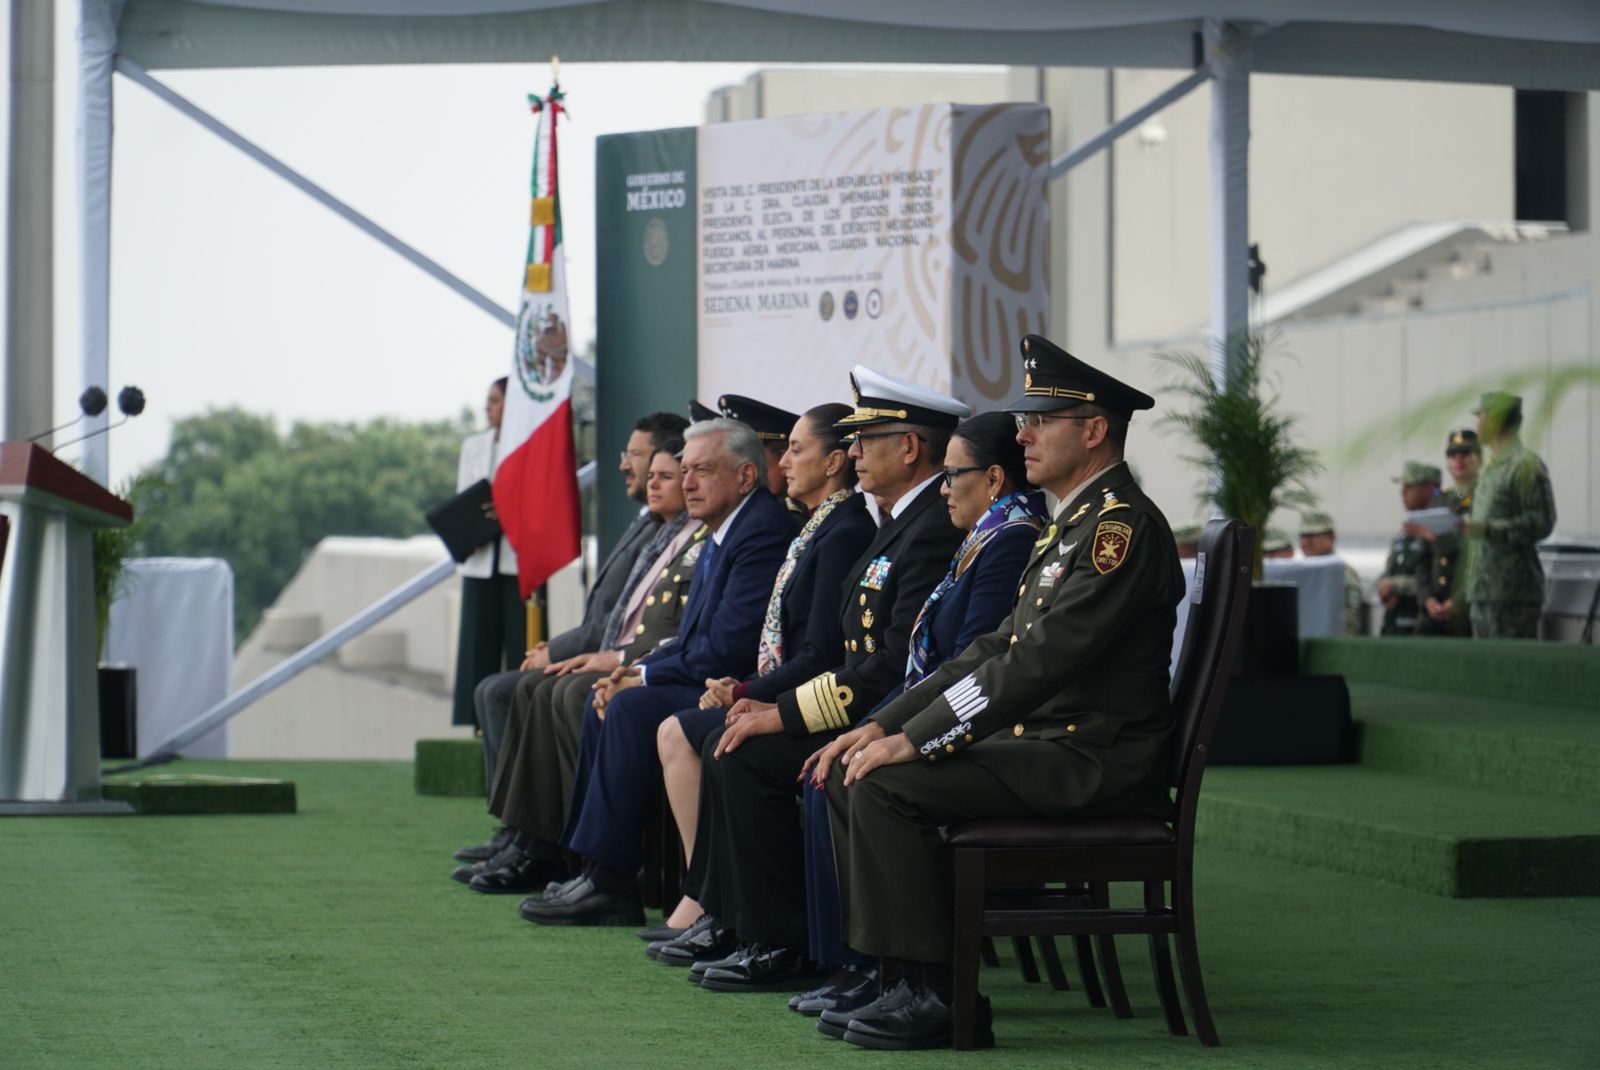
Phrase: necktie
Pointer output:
(707, 555)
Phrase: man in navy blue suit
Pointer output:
(724, 466)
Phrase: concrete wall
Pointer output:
(1334, 163)
(1363, 389)
(382, 691)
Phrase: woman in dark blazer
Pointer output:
(988, 495)
(801, 634)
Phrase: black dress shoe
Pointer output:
(706, 940)
(660, 934)
(764, 968)
(485, 851)
(518, 872)
(506, 854)
(697, 970)
(849, 989)
(581, 903)
(836, 1023)
(910, 1019)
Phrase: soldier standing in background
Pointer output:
(1444, 601)
(1397, 587)
(1317, 539)
(1513, 508)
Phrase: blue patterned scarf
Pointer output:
(1023, 507)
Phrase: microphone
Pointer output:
(92, 402)
(130, 399)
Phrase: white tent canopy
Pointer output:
(1533, 44)
(1549, 44)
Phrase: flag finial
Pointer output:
(555, 69)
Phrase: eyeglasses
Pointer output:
(951, 473)
(1035, 420)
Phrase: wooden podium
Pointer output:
(49, 698)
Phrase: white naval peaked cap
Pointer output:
(882, 398)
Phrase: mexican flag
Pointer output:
(536, 485)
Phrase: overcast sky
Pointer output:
(230, 287)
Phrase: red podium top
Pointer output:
(25, 468)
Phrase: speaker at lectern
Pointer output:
(49, 698)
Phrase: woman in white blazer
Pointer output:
(493, 622)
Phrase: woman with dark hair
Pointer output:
(988, 495)
(494, 628)
(802, 633)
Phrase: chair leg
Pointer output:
(1086, 971)
(1189, 962)
(967, 940)
(1161, 963)
(1052, 964)
(1106, 944)
(1025, 963)
(991, 957)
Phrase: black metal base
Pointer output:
(1284, 720)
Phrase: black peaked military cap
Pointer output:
(882, 398)
(698, 412)
(1463, 441)
(769, 422)
(1054, 379)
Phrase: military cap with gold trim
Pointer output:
(769, 422)
(1054, 379)
(1463, 441)
(882, 398)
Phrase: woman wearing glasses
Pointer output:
(987, 495)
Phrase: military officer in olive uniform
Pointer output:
(1443, 602)
(1064, 710)
(772, 426)
(538, 757)
(1317, 539)
(749, 865)
(1397, 587)
(1513, 508)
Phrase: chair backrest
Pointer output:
(1210, 649)
(5, 537)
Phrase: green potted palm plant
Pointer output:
(1244, 444)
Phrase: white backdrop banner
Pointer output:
(175, 626)
(915, 240)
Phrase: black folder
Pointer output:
(466, 521)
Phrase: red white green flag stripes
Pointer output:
(535, 485)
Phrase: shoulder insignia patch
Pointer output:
(1111, 541)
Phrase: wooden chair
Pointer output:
(1033, 853)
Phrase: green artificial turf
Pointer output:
(1433, 835)
(1480, 740)
(333, 938)
(1516, 671)
(191, 793)
(449, 767)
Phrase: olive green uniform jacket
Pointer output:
(1082, 661)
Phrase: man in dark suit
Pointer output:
(749, 864)
(724, 482)
(772, 426)
(1062, 710)
(492, 696)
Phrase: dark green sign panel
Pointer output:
(645, 205)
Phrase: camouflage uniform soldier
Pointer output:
(1317, 539)
(1397, 587)
(1512, 509)
(1443, 597)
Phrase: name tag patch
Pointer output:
(877, 574)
